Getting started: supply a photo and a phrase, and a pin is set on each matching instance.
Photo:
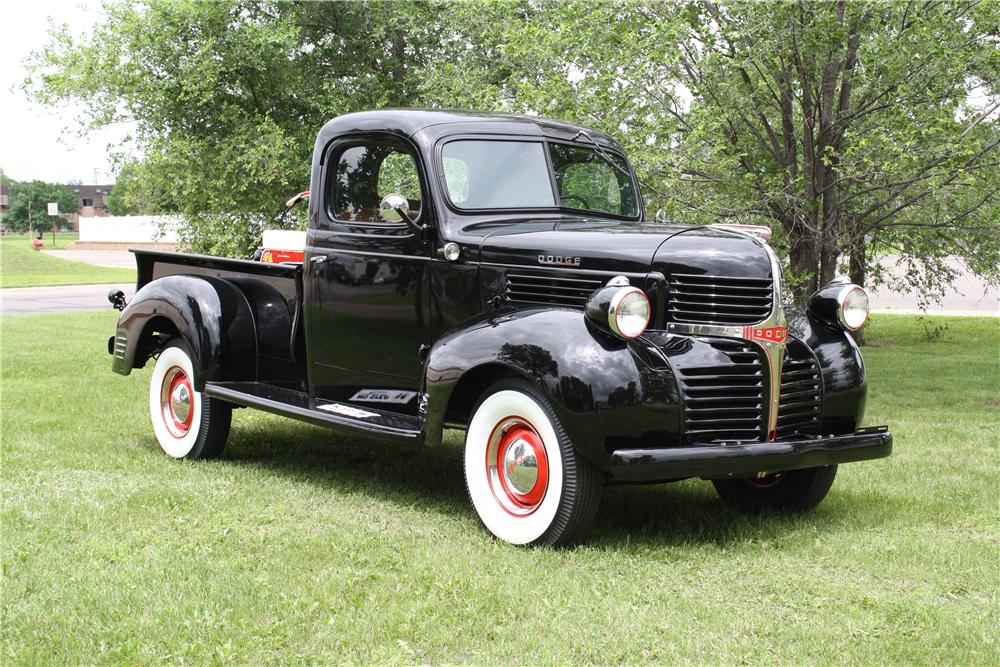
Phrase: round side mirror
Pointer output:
(394, 208)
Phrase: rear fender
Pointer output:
(209, 314)
(606, 392)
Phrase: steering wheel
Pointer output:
(583, 201)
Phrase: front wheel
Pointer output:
(796, 490)
(526, 481)
(187, 424)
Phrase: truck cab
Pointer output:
(497, 274)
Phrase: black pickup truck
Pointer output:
(496, 274)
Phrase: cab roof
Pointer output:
(439, 123)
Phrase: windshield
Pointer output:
(485, 174)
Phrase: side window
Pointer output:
(363, 175)
(593, 185)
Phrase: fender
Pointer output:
(211, 315)
(597, 384)
(845, 386)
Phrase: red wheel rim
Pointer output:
(177, 402)
(765, 482)
(517, 466)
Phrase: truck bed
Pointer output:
(273, 294)
(153, 264)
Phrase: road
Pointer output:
(969, 295)
(62, 299)
(115, 259)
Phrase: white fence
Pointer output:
(129, 229)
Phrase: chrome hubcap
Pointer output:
(520, 467)
(180, 402)
(177, 402)
(516, 466)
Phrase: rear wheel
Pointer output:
(797, 490)
(526, 481)
(187, 424)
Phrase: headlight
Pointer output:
(853, 310)
(841, 303)
(622, 310)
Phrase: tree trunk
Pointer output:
(803, 260)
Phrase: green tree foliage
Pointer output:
(137, 193)
(229, 95)
(33, 197)
(851, 128)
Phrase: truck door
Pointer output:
(367, 299)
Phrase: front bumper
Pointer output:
(719, 461)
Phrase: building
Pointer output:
(91, 202)
(4, 198)
(91, 199)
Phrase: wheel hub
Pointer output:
(520, 467)
(176, 402)
(517, 466)
(180, 401)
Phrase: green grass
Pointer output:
(21, 266)
(302, 546)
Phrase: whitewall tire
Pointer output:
(187, 424)
(525, 479)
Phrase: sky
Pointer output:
(38, 142)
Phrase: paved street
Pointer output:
(63, 299)
(115, 259)
(968, 296)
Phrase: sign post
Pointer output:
(54, 211)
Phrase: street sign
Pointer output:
(53, 208)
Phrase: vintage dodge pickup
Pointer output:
(496, 274)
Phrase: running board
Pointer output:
(299, 405)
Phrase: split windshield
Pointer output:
(490, 174)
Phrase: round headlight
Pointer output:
(628, 313)
(853, 307)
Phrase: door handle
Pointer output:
(319, 259)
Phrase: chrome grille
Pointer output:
(699, 299)
(562, 290)
(725, 403)
(799, 411)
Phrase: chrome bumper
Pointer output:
(743, 460)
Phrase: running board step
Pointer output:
(299, 405)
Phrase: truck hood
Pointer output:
(625, 247)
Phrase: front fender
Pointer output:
(845, 386)
(211, 315)
(606, 392)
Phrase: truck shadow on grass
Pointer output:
(631, 517)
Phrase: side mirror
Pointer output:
(395, 208)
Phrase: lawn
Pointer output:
(303, 546)
(20, 266)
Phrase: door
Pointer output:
(367, 298)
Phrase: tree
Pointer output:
(228, 96)
(38, 194)
(137, 193)
(849, 127)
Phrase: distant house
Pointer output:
(91, 199)
(91, 202)
(4, 203)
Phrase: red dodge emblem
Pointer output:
(772, 334)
